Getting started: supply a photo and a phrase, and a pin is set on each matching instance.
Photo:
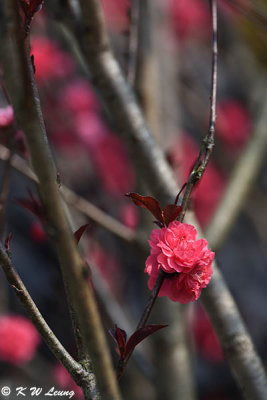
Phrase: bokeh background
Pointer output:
(172, 83)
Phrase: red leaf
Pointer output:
(149, 203)
(78, 234)
(35, 5)
(34, 206)
(7, 242)
(119, 335)
(139, 335)
(170, 213)
(30, 7)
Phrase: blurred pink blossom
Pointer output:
(233, 125)
(116, 13)
(6, 116)
(205, 337)
(129, 215)
(65, 381)
(190, 18)
(89, 128)
(19, 339)
(108, 266)
(50, 61)
(78, 96)
(113, 165)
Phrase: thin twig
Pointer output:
(82, 205)
(21, 85)
(73, 367)
(133, 41)
(4, 192)
(208, 141)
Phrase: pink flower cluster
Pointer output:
(176, 251)
(18, 339)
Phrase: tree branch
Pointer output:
(82, 205)
(74, 368)
(22, 88)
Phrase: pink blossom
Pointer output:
(18, 339)
(65, 381)
(190, 18)
(175, 250)
(233, 124)
(49, 60)
(6, 116)
(209, 190)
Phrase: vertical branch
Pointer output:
(22, 88)
(208, 141)
(133, 41)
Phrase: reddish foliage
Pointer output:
(78, 234)
(125, 348)
(163, 217)
(30, 7)
(120, 337)
(140, 334)
(19, 339)
(34, 206)
(37, 233)
(148, 203)
(8, 241)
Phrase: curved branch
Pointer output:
(72, 366)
